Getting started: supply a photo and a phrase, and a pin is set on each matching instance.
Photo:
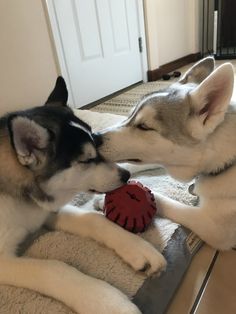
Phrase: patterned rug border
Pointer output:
(123, 103)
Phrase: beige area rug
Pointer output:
(123, 103)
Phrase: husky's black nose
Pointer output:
(124, 175)
(97, 139)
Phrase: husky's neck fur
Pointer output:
(221, 152)
(212, 156)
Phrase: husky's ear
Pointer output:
(199, 71)
(209, 101)
(29, 140)
(59, 95)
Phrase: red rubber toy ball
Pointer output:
(132, 206)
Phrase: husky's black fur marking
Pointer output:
(56, 117)
(59, 93)
(66, 141)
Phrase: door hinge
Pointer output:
(140, 44)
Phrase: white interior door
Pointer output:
(98, 42)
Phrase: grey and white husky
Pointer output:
(190, 129)
(48, 155)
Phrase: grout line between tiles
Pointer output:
(204, 283)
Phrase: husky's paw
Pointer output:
(118, 305)
(106, 299)
(98, 202)
(143, 257)
(125, 308)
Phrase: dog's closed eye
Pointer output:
(144, 127)
(88, 161)
(97, 159)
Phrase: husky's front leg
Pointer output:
(183, 214)
(199, 219)
(137, 252)
(83, 294)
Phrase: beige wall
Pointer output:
(172, 30)
(27, 58)
(27, 63)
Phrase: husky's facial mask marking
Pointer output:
(57, 152)
(174, 122)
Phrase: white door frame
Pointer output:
(142, 34)
(53, 22)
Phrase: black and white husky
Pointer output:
(190, 129)
(48, 155)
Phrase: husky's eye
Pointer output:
(87, 161)
(95, 160)
(144, 127)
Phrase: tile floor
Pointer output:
(209, 286)
(219, 295)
